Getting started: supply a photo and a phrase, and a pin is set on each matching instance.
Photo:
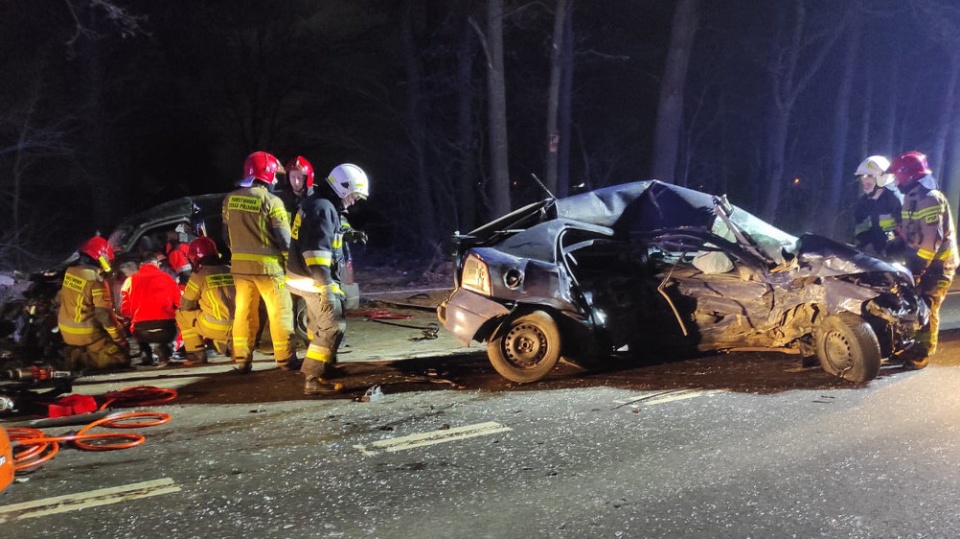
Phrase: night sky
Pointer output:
(107, 108)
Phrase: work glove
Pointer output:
(352, 235)
(331, 294)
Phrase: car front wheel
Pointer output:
(525, 348)
(848, 348)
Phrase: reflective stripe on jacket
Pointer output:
(316, 250)
(257, 229)
(928, 228)
(211, 291)
(86, 308)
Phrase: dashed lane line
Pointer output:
(83, 500)
(430, 438)
(668, 396)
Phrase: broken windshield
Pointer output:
(771, 241)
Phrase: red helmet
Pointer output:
(907, 169)
(201, 248)
(299, 168)
(100, 250)
(261, 166)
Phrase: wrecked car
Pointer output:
(647, 267)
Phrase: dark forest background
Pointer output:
(110, 107)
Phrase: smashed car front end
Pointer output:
(881, 292)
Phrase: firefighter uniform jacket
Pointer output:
(86, 309)
(149, 294)
(258, 231)
(316, 250)
(877, 216)
(928, 231)
(211, 291)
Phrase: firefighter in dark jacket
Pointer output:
(258, 234)
(299, 184)
(207, 305)
(315, 267)
(930, 244)
(877, 211)
(94, 336)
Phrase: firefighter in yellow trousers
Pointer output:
(930, 244)
(86, 319)
(208, 302)
(258, 234)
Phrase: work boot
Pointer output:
(319, 386)
(196, 358)
(243, 367)
(293, 363)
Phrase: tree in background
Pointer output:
(672, 89)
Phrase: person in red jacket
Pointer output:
(150, 299)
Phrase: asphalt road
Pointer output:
(737, 445)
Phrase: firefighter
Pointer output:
(86, 319)
(206, 309)
(877, 211)
(930, 243)
(150, 299)
(258, 235)
(315, 266)
(299, 184)
(176, 249)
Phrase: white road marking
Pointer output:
(82, 500)
(658, 398)
(431, 438)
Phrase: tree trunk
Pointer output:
(466, 199)
(499, 183)
(566, 106)
(839, 175)
(426, 222)
(553, 95)
(670, 109)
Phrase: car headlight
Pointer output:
(475, 276)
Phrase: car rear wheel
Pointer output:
(848, 348)
(300, 321)
(525, 348)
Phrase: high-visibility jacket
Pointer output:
(86, 308)
(928, 230)
(316, 250)
(877, 216)
(258, 231)
(211, 291)
(149, 294)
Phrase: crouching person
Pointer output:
(87, 321)
(207, 306)
(150, 299)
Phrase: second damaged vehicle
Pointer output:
(649, 267)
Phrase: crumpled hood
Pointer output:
(826, 257)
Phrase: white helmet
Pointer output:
(347, 179)
(876, 166)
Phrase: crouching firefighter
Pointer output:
(94, 336)
(207, 306)
(314, 270)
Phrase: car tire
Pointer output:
(300, 321)
(848, 348)
(525, 348)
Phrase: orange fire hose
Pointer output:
(32, 447)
